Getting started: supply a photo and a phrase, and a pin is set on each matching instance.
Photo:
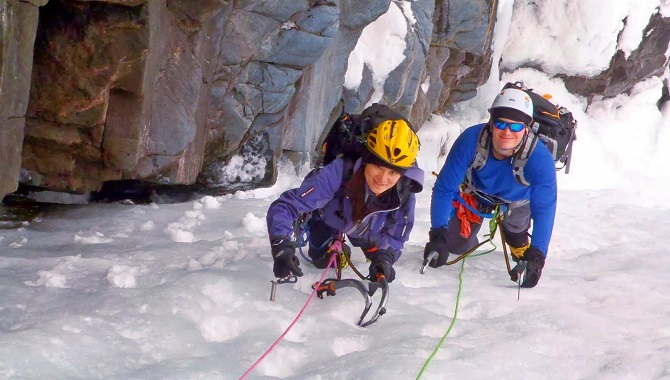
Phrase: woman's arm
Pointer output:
(316, 190)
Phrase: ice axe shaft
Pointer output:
(518, 274)
(432, 255)
(273, 291)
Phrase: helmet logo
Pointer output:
(394, 142)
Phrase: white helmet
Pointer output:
(515, 99)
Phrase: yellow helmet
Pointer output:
(394, 142)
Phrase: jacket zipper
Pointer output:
(374, 213)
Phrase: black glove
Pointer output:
(535, 259)
(381, 264)
(285, 261)
(437, 242)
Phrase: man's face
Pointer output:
(505, 140)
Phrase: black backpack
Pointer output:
(347, 136)
(552, 124)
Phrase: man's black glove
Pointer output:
(285, 261)
(437, 242)
(381, 265)
(535, 259)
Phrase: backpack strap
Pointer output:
(481, 155)
(404, 189)
(521, 157)
(348, 164)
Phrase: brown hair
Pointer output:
(356, 191)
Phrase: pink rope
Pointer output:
(267, 352)
(336, 246)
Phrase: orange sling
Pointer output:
(465, 215)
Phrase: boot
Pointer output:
(518, 243)
(318, 257)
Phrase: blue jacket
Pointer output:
(386, 227)
(496, 178)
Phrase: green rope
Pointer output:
(453, 321)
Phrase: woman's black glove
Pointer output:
(437, 242)
(381, 265)
(535, 259)
(285, 261)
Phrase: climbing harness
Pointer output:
(336, 249)
(496, 218)
(465, 214)
(301, 231)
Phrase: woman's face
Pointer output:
(380, 178)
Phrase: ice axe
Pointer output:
(431, 256)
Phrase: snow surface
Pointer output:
(181, 291)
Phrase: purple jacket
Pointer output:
(387, 226)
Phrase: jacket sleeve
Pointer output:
(316, 190)
(397, 228)
(541, 174)
(451, 176)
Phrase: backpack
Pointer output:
(554, 125)
(346, 137)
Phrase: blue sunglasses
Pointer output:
(514, 127)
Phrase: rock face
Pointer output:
(119, 91)
(648, 60)
(211, 92)
(18, 24)
(267, 54)
(460, 56)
